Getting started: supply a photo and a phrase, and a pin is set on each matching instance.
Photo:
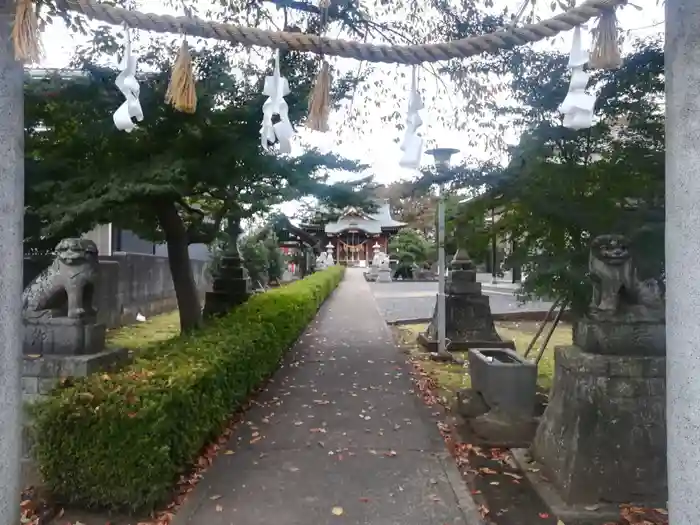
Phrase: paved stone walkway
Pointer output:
(338, 437)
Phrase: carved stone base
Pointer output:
(220, 303)
(40, 374)
(615, 336)
(468, 324)
(571, 514)
(492, 427)
(384, 276)
(603, 434)
(62, 336)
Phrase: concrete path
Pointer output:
(338, 437)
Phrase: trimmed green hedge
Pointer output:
(120, 441)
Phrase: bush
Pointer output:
(121, 441)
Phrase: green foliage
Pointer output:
(176, 177)
(276, 263)
(92, 173)
(255, 259)
(564, 187)
(411, 247)
(118, 441)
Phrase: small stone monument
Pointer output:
(376, 261)
(322, 261)
(468, 319)
(231, 285)
(602, 438)
(62, 337)
(329, 255)
(384, 273)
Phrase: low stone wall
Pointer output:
(131, 283)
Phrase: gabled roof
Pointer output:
(355, 219)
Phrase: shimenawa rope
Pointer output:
(414, 54)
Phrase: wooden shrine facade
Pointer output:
(354, 234)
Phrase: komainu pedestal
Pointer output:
(602, 438)
(468, 319)
(62, 337)
(603, 434)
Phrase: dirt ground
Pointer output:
(499, 487)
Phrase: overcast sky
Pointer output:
(375, 143)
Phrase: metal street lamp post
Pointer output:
(442, 158)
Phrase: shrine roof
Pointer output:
(355, 219)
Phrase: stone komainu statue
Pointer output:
(66, 288)
(616, 286)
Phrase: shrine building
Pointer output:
(354, 234)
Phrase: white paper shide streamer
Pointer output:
(578, 105)
(412, 145)
(126, 81)
(276, 88)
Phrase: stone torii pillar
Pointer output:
(11, 239)
(682, 252)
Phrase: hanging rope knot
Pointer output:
(182, 93)
(320, 99)
(606, 52)
(26, 35)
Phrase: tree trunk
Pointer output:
(188, 302)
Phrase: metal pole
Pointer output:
(682, 61)
(442, 160)
(11, 238)
(442, 333)
(493, 248)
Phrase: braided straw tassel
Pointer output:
(25, 33)
(182, 94)
(319, 103)
(606, 49)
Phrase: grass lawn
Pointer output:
(140, 335)
(451, 377)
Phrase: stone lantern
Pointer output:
(329, 257)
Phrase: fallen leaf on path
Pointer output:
(229, 452)
(514, 476)
(390, 454)
(486, 470)
(219, 508)
(215, 497)
(255, 440)
(337, 511)
(544, 515)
